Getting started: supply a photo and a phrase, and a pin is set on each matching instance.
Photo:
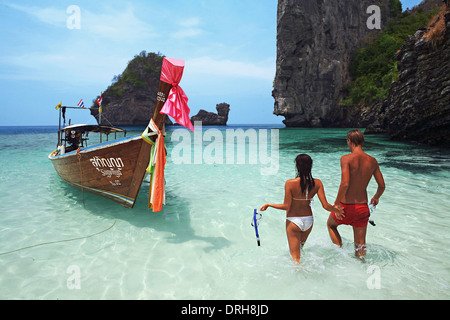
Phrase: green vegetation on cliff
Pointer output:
(131, 97)
(374, 67)
(136, 74)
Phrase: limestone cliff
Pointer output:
(315, 42)
(418, 105)
(131, 99)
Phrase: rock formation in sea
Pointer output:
(315, 42)
(418, 105)
(131, 99)
(213, 119)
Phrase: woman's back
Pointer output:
(297, 203)
(300, 204)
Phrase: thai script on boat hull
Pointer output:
(110, 173)
(108, 163)
(113, 167)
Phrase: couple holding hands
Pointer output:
(350, 206)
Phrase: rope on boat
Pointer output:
(59, 241)
(81, 176)
(66, 240)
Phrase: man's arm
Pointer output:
(381, 186)
(345, 180)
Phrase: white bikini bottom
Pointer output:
(304, 223)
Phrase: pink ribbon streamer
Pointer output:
(176, 103)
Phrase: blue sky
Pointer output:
(229, 47)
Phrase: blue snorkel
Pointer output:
(255, 224)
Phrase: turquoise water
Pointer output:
(202, 246)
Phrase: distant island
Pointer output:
(130, 99)
(213, 119)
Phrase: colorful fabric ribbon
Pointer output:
(156, 197)
(176, 103)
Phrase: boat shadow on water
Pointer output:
(174, 219)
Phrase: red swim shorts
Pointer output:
(356, 215)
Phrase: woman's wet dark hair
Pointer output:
(303, 163)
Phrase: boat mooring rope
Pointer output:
(59, 241)
(66, 240)
(81, 176)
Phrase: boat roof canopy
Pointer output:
(92, 128)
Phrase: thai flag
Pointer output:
(99, 100)
(81, 103)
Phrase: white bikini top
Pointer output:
(306, 198)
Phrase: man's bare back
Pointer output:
(360, 167)
(357, 168)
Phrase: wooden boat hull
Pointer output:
(114, 170)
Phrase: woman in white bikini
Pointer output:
(299, 193)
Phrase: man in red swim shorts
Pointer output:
(357, 168)
(356, 215)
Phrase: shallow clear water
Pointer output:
(202, 246)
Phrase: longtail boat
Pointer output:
(115, 169)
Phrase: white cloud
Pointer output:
(188, 28)
(190, 23)
(118, 24)
(51, 15)
(187, 33)
(229, 68)
(109, 38)
(64, 67)
(92, 54)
